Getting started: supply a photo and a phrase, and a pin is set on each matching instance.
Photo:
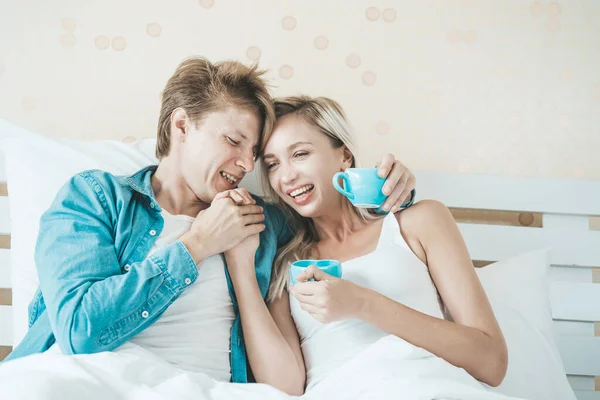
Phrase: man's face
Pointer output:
(218, 151)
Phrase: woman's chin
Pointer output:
(307, 211)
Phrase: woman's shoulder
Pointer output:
(422, 212)
(418, 220)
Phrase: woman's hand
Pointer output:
(400, 182)
(328, 299)
(240, 258)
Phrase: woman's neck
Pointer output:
(338, 223)
(172, 192)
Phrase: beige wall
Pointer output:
(496, 86)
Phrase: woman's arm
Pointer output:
(473, 341)
(269, 332)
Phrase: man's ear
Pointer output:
(179, 125)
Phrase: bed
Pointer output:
(499, 217)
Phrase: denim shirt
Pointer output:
(98, 287)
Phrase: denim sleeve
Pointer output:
(92, 305)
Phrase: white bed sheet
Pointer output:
(390, 368)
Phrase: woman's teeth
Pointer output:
(230, 178)
(302, 190)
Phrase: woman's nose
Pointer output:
(288, 174)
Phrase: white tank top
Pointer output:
(392, 270)
(194, 332)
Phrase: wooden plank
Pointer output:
(509, 193)
(4, 215)
(4, 241)
(496, 217)
(595, 223)
(583, 395)
(575, 301)
(4, 351)
(597, 383)
(596, 275)
(481, 263)
(580, 355)
(6, 326)
(5, 272)
(5, 297)
(3, 189)
(494, 242)
(597, 329)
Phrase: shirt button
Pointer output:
(188, 281)
(127, 268)
(145, 314)
(152, 232)
(152, 205)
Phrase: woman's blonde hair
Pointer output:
(328, 117)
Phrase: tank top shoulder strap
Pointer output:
(390, 233)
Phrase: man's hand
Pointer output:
(399, 183)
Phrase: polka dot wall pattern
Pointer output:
(474, 89)
(253, 53)
(67, 39)
(353, 60)
(321, 42)
(286, 72)
(289, 23)
(102, 42)
(206, 3)
(153, 30)
(118, 43)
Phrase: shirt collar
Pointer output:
(141, 181)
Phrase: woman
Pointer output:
(394, 267)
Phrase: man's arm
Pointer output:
(94, 303)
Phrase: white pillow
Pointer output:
(36, 168)
(518, 291)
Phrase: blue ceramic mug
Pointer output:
(331, 267)
(362, 186)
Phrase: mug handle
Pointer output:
(336, 184)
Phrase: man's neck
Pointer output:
(172, 192)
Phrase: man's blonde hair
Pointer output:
(199, 87)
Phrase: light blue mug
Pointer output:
(331, 267)
(362, 186)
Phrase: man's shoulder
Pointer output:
(92, 188)
(96, 176)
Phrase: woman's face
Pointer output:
(300, 163)
(216, 153)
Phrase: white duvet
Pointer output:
(388, 369)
